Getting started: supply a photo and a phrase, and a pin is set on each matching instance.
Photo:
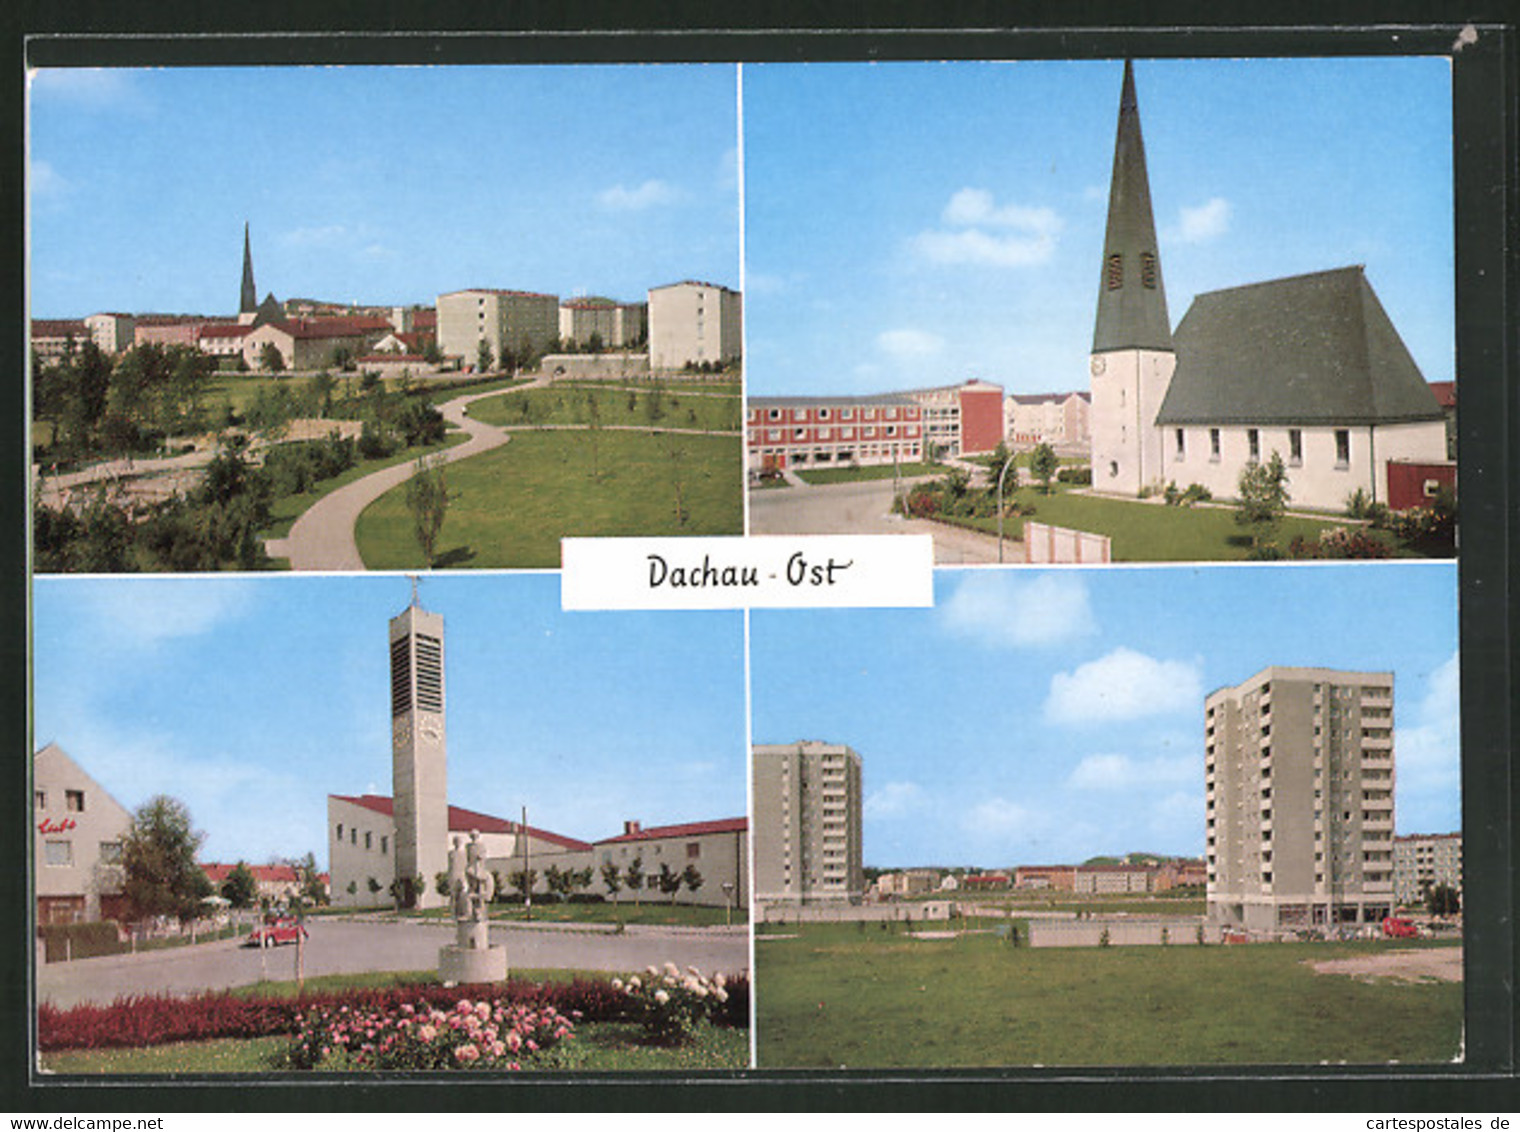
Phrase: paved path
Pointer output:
(350, 947)
(323, 537)
(865, 508)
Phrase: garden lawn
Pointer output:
(867, 472)
(571, 404)
(596, 1047)
(510, 507)
(858, 997)
(1153, 532)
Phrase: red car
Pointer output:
(276, 930)
(1396, 927)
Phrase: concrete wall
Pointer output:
(1044, 543)
(1121, 933)
(843, 913)
(567, 367)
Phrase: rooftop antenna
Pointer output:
(413, 578)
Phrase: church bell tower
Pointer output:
(1132, 357)
(419, 752)
(248, 303)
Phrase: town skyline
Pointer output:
(251, 700)
(429, 207)
(1050, 716)
(937, 222)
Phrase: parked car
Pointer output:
(1396, 927)
(276, 930)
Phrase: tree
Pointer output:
(441, 884)
(427, 498)
(1043, 465)
(594, 420)
(270, 358)
(670, 881)
(611, 877)
(313, 891)
(633, 877)
(484, 358)
(1263, 491)
(1443, 900)
(240, 889)
(691, 878)
(158, 859)
(523, 880)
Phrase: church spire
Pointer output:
(1131, 300)
(250, 298)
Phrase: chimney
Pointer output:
(630, 827)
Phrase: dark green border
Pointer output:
(1486, 83)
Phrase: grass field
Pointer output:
(510, 507)
(1153, 532)
(854, 996)
(867, 472)
(571, 404)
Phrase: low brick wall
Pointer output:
(1125, 932)
(929, 910)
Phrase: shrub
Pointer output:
(922, 503)
(1196, 493)
(672, 1005)
(1077, 474)
(80, 941)
(1340, 542)
(481, 1034)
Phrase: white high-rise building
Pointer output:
(1299, 787)
(807, 823)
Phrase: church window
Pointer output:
(1181, 448)
(1295, 447)
(1115, 272)
(1148, 270)
(1214, 445)
(1343, 448)
(1253, 445)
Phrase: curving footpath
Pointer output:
(323, 537)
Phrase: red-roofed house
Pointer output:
(276, 883)
(312, 343)
(719, 851)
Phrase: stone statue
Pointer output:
(481, 884)
(472, 958)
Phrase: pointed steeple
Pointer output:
(250, 298)
(1131, 299)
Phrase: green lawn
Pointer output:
(571, 404)
(867, 472)
(1152, 532)
(859, 997)
(510, 507)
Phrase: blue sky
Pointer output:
(1042, 717)
(377, 185)
(252, 699)
(913, 224)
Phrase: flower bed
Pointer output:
(672, 1004)
(484, 1033)
(148, 1020)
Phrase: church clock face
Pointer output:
(1096, 366)
(429, 732)
(401, 730)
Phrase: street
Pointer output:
(865, 508)
(353, 946)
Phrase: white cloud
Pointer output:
(321, 237)
(980, 231)
(1429, 753)
(44, 180)
(1125, 684)
(908, 344)
(999, 817)
(150, 610)
(93, 88)
(652, 193)
(1120, 772)
(1207, 221)
(998, 609)
(894, 800)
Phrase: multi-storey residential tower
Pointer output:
(807, 806)
(509, 322)
(692, 323)
(1299, 785)
(1422, 861)
(419, 751)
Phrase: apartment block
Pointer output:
(807, 823)
(691, 323)
(1422, 861)
(804, 432)
(511, 321)
(1299, 785)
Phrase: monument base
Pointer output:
(472, 964)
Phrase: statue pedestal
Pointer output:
(472, 959)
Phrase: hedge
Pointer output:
(149, 1020)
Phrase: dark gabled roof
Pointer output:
(1131, 299)
(689, 829)
(463, 821)
(1311, 349)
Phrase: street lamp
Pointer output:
(728, 903)
(1008, 463)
